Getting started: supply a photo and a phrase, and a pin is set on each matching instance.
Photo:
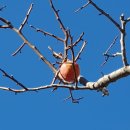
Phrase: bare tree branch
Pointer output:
(111, 45)
(81, 50)
(100, 83)
(79, 9)
(58, 18)
(26, 18)
(102, 12)
(34, 48)
(55, 54)
(107, 54)
(13, 79)
(76, 42)
(8, 23)
(19, 49)
(65, 31)
(106, 14)
(122, 40)
(47, 33)
(107, 79)
(127, 20)
(121, 29)
(73, 62)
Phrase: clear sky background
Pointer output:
(44, 109)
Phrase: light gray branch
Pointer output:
(106, 79)
(122, 40)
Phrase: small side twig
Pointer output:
(56, 55)
(127, 20)
(54, 79)
(8, 23)
(19, 49)
(111, 45)
(79, 9)
(72, 98)
(26, 18)
(107, 55)
(4, 26)
(47, 33)
(81, 50)
(77, 41)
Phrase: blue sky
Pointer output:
(47, 110)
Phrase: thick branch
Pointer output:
(106, 79)
(122, 41)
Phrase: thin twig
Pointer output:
(127, 20)
(73, 60)
(54, 79)
(4, 26)
(8, 23)
(64, 30)
(107, 15)
(47, 33)
(74, 100)
(111, 45)
(56, 55)
(58, 18)
(77, 41)
(81, 50)
(13, 79)
(107, 55)
(19, 49)
(26, 18)
(102, 12)
(79, 9)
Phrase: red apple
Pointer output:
(67, 71)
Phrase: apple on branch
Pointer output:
(69, 71)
